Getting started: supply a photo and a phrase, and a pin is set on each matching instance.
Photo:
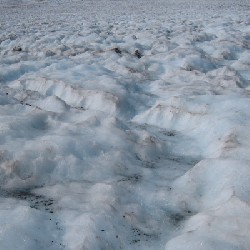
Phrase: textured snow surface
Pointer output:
(124, 124)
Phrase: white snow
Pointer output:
(124, 124)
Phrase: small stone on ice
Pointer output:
(17, 48)
(138, 54)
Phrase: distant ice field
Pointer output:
(124, 125)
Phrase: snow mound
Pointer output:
(51, 103)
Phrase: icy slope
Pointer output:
(124, 125)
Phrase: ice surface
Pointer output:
(124, 124)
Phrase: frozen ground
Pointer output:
(124, 125)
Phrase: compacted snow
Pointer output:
(124, 124)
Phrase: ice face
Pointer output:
(124, 125)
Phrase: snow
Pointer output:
(124, 124)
